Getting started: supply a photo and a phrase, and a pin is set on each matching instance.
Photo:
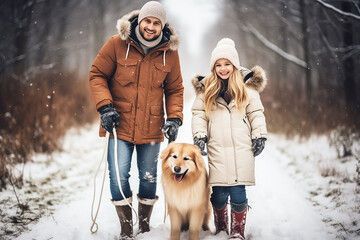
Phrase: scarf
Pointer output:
(145, 44)
(224, 91)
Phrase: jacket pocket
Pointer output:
(156, 120)
(160, 73)
(125, 71)
(246, 121)
(124, 110)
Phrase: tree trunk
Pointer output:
(284, 45)
(348, 63)
(22, 11)
(98, 26)
(305, 44)
(44, 36)
(61, 34)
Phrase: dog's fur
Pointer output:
(187, 193)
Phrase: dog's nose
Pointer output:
(177, 169)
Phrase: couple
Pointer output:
(129, 78)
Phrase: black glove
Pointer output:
(171, 128)
(258, 145)
(109, 117)
(201, 142)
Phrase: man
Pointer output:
(128, 79)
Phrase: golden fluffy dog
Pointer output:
(187, 194)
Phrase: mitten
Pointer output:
(258, 145)
(171, 128)
(109, 117)
(201, 142)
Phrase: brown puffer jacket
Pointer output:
(229, 132)
(135, 84)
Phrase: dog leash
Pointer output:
(118, 176)
(104, 157)
(94, 224)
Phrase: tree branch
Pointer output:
(338, 10)
(328, 46)
(273, 47)
(356, 6)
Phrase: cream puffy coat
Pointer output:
(230, 131)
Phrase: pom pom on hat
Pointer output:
(153, 9)
(225, 48)
(226, 41)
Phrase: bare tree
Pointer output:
(44, 32)
(16, 17)
(348, 64)
(98, 24)
(306, 50)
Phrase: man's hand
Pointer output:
(171, 128)
(109, 117)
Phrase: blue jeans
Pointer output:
(147, 159)
(220, 195)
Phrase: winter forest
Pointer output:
(310, 50)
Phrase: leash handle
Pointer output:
(94, 224)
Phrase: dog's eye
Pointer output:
(174, 156)
(186, 158)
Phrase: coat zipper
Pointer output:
(232, 140)
(137, 99)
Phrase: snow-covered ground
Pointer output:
(290, 201)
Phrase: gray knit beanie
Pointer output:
(153, 9)
(225, 48)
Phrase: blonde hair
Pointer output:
(236, 87)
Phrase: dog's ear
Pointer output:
(166, 152)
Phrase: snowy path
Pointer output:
(279, 207)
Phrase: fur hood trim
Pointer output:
(257, 81)
(198, 83)
(124, 28)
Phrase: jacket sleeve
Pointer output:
(101, 72)
(255, 114)
(199, 120)
(174, 91)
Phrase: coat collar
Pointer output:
(257, 81)
(128, 22)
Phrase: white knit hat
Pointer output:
(225, 48)
(153, 9)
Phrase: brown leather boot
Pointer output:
(124, 213)
(221, 219)
(145, 209)
(238, 220)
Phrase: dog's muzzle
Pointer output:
(178, 177)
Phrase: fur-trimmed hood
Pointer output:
(128, 22)
(256, 80)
